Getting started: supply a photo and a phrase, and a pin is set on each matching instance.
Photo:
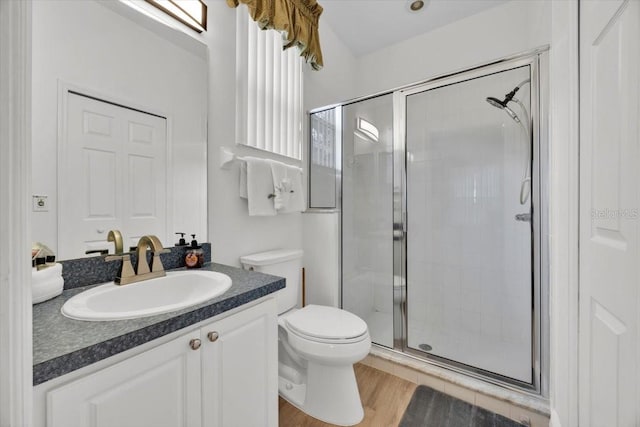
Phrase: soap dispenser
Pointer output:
(194, 257)
(181, 242)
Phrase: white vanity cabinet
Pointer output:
(240, 370)
(223, 374)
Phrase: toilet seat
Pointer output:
(326, 325)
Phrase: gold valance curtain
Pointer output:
(297, 19)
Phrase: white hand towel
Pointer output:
(281, 185)
(46, 283)
(297, 200)
(287, 184)
(243, 180)
(259, 187)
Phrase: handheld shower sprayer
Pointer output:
(502, 105)
(507, 99)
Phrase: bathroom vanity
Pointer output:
(214, 364)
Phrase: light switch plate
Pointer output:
(40, 204)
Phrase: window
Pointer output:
(192, 13)
(325, 138)
(269, 106)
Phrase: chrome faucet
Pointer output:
(143, 270)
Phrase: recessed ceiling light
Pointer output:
(416, 5)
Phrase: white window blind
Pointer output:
(323, 138)
(269, 108)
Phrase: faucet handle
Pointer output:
(97, 251)
(162, 251)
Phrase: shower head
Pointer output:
(507, 99)
(496, 102)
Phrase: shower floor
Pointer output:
(480, 351)
(511, 360)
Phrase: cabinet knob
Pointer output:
(195, 344)
(213, 336)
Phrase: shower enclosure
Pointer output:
(441, 220)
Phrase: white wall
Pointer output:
(95, 48)
(321, 258)
(337, 80)
(233, 232)
(515, 27)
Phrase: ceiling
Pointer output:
(368, 25)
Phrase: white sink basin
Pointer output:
(175, 291)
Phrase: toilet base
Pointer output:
(332, 396)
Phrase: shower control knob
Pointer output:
(195, 344)
(213, 336)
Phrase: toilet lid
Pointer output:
(327, 323)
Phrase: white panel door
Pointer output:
(609, 355)
(145, 193)
(158, 388)
(112, 175)
(240, 369)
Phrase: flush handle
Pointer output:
(213, 336)
(195, 344)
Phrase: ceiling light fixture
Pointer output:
(416, 5)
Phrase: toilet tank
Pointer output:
(285, 263)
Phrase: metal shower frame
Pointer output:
(537, 60)
(540, 326)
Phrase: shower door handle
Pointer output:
(398, 232)
(524, 217)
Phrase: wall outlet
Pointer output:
(40, 204)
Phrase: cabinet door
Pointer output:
(240, 369)
(160, 387)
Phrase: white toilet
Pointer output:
(317, 345)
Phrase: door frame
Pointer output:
(564, 214)
(16, 358)
(537, 61)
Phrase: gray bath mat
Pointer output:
(430, 408)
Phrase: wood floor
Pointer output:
(384, 397)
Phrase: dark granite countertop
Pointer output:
(62, 345)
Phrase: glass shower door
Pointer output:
(367, 214)
(469, 223)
